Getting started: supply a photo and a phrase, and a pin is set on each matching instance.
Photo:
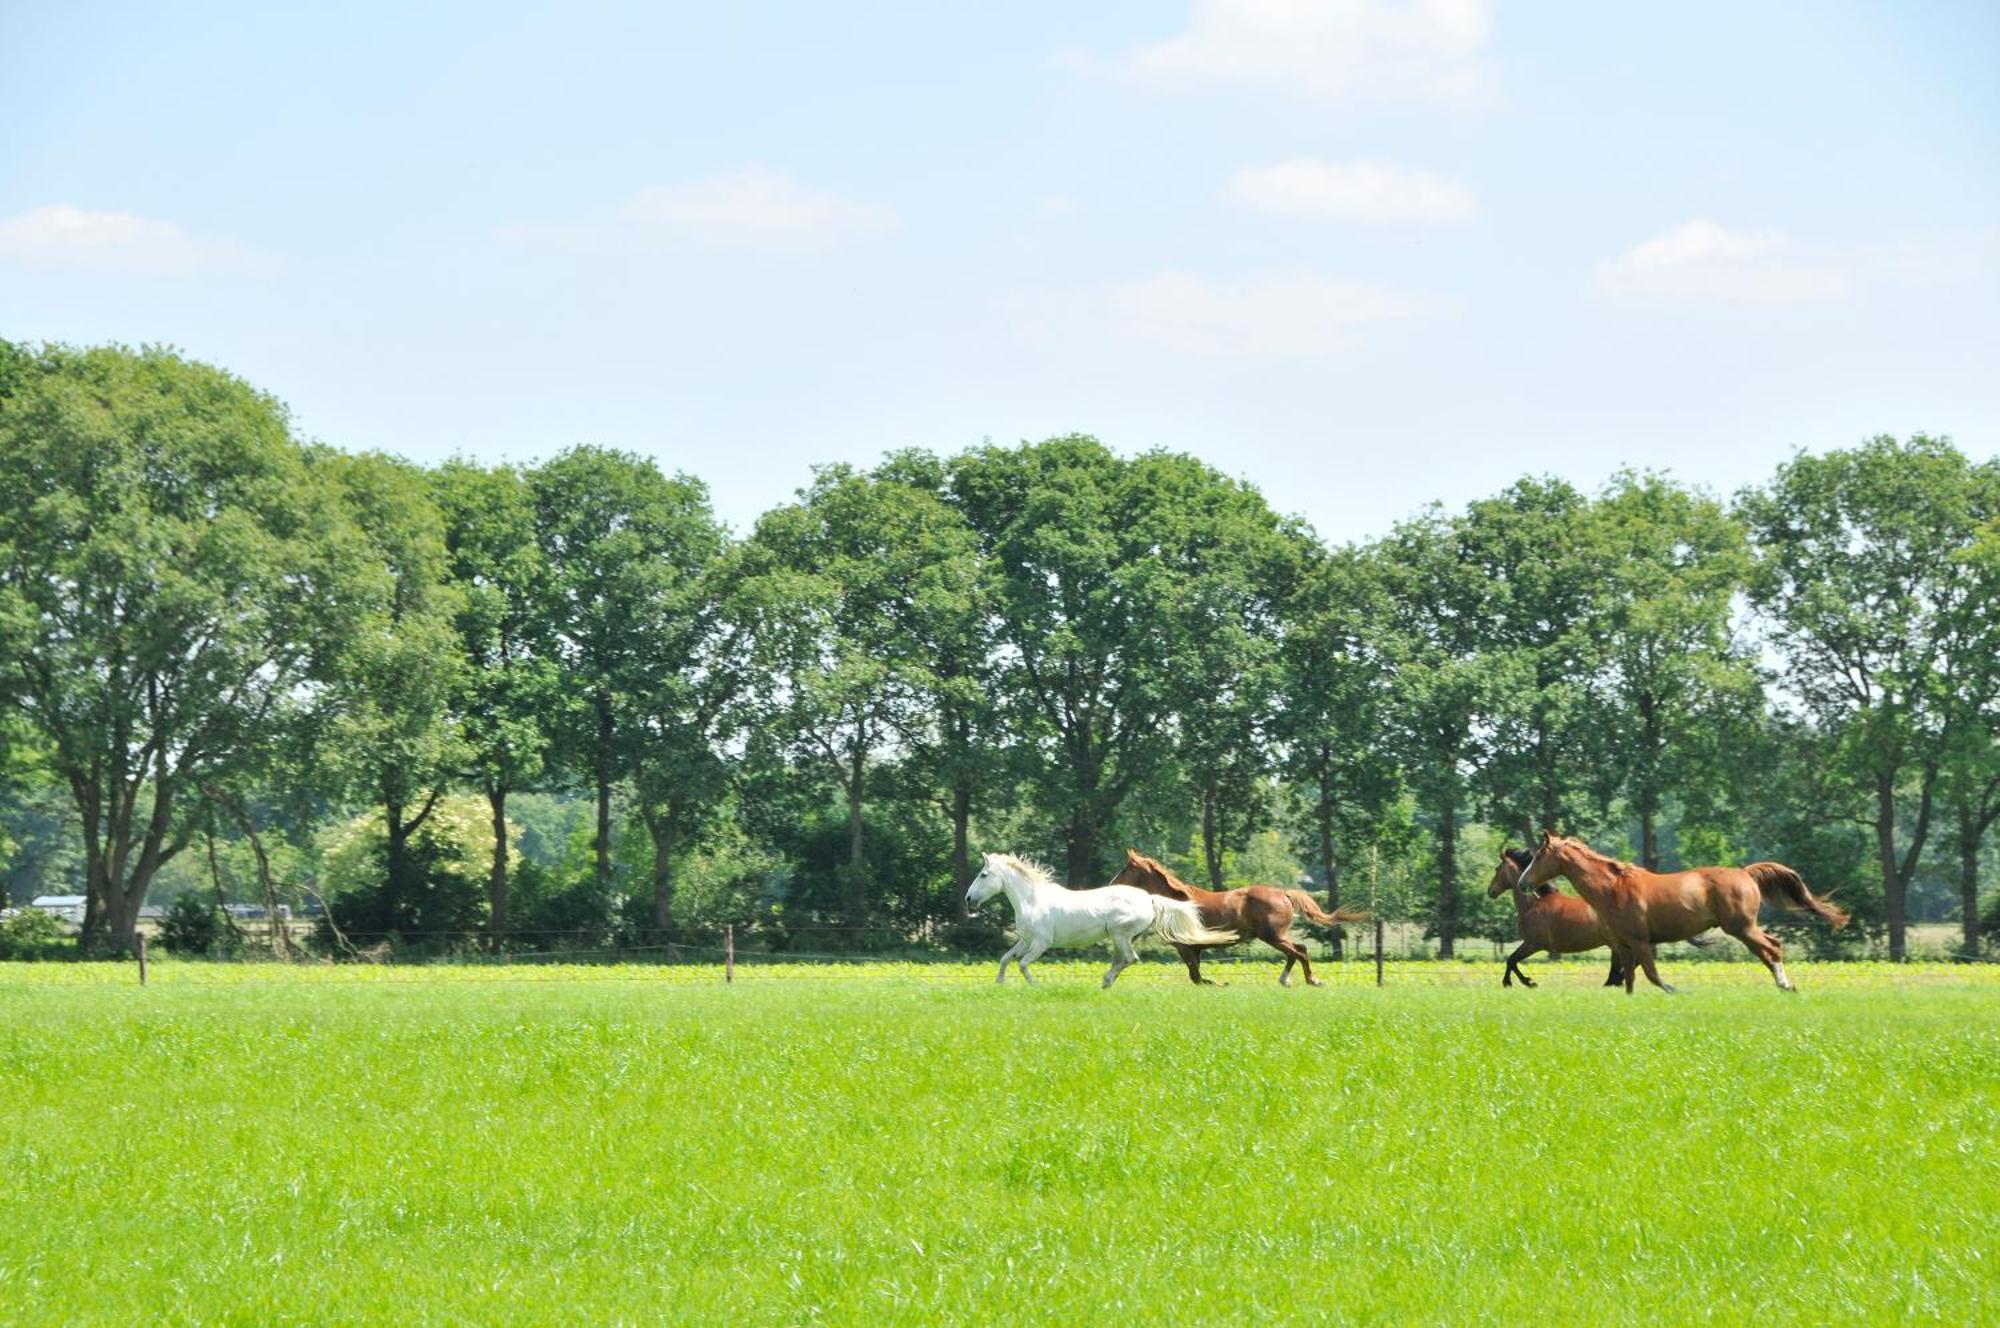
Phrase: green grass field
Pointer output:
(912, 1145)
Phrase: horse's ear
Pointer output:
(1132, 856)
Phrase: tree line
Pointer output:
(214, 632)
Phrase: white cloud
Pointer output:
(1297, 314)
(1700, 260)
(1351, 191)
(58, 235)
(756, 209)
(1412, 49)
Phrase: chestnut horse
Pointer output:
(1548, 920)
(1640, 908)
(1262, 911)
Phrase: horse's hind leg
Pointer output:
(1765, 946)
(1294, 953)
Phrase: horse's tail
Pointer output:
(1778, 881)
(1179, 923)
(1310, 910)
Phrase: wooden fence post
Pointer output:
(729, 952)
(141, 937)
(1378, 949)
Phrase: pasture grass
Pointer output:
(908, 1144)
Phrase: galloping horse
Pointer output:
(1640, 908)
(1047, 914)
(1548, 920)
(1262, 911)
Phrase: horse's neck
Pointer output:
(1521, 900)
(1590, 875)
(1021, 891)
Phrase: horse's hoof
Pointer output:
(1314, 982)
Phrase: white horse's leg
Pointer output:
(1034, 952)
(1007, 959)
(1123, 957)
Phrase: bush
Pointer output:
(976, 936)
(193, 925)
(34, 935)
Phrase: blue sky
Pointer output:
(1363, 253)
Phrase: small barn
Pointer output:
(67, 907)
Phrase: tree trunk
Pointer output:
(1079, 850)
(961, 845)
(854, 891)
(397, 864)
(1329, 869)
(1892, 876)
(602, 772)
(1211, 850)
(665, 828)
(1447, 914)
(496, 881)
(1968, 880)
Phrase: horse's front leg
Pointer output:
(1013, 951)
(1033, 953)
(1191, 956)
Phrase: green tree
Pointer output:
(1331, 722)
(1098, 562)
(857, 583)
(1432, 635)
(164, 576)
(1542, 577)
(508, 686)
(627, 550)
(1673, 673)
(1866, 566)
(390, 733)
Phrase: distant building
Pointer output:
(67, 907)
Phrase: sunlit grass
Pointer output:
(907, 1143)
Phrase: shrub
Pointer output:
(33, 935)
(193, 925)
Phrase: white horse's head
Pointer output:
(988, 883)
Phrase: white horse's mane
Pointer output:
(1027, 867)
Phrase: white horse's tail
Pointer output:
(1179, 922)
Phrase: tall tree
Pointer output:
(1673, 562)
(390, 730)
(163, 579)
(1865, 564)
(627, 550)
(1433, 637)
(1543, 578)
(944, 649)
(1098, 560)
(1330, 722)
(857, 582)
(509, 684)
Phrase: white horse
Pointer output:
(1047, 914)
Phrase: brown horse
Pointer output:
(1640, 908)
(1548, 920)
(1262, 911)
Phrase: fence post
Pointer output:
(1378, 949)
(729, 952)
(141, 937)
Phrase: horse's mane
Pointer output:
(1520, 857)
(1028, 867)
(1161, 870)
(1617, 864)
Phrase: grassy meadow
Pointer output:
(884, 1144)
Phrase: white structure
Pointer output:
(67, 907)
